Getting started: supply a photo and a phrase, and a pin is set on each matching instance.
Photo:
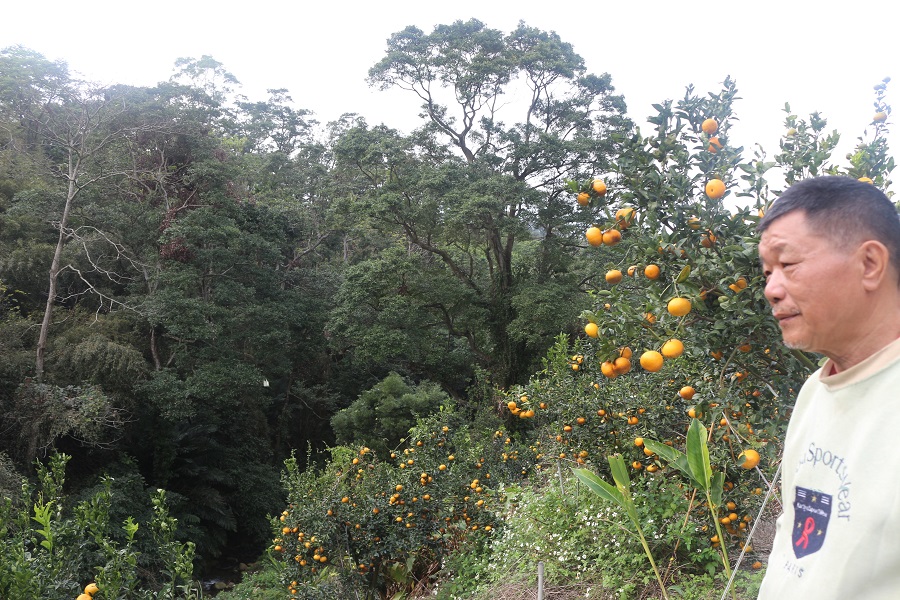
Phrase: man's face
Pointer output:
(812, 285)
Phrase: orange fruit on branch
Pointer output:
(709, 126)
(622, 365)
(612, 237)
(613, 276)
(652, 361)
(592, 330)
(608, 368)
(715, 189)
(687, 392)
(583, 198)
(594, 236)
(599, 187)
(672, 348)
(651, 271)
(748, 459)
(679, 307)
(625, 217)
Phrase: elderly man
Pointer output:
(830, 251)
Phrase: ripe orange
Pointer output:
(592, 330)
(694, 223)
(638, 441)
(650, 318)
(626, 352)
(651, 271)
(748, 459)
(672, 348)
(867, 180)
(633, 420)
(710, 126)
(612, 237)
(687, 392)
(714, 145)
(880, 117)
(622, 365)
(678, 307)
(652, 361)
(91, 589)
(583, 198)
(83, 597)
(625, 217)
(715, 189)
(613, 276)
(608, 368)
(756, 565)
(708, 240)
(599, 186)
(594, 236)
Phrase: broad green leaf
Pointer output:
(674, 457)
(662, 450)
(718, 484)
(698, 454)
(598, 486)
(620, 473)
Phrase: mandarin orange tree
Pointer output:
(382, 521)
(687, 333)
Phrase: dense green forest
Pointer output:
(194, 283)
(196, 287)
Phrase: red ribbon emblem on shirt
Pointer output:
(808, 528)
(812, 511)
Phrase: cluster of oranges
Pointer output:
(515, 409)
(89, 591)
(623, 219)
(715, 187)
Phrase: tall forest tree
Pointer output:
(486, 272)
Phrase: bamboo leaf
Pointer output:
(718, 484)
(598, 486)
(674, 457)
(698, 454)
(620, 473)
(665, 451)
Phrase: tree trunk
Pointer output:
(71, 191)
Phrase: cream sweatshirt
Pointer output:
(839, 536)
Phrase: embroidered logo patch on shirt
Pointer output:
(812, 509)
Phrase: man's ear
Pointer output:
(876, 264)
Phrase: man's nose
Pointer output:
(774, 290)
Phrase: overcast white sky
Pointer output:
(804, 52)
